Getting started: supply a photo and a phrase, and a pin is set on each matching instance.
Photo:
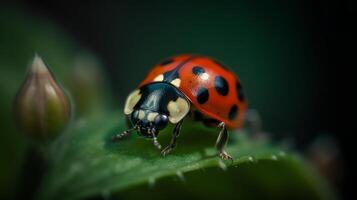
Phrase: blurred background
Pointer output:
(285, 52)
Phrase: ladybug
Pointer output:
(186, 86)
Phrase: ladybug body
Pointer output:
(186, 85)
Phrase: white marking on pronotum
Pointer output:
(131, 101)
(159, 78)
(176, 82)
(141, 114)
(178, 110)
(151, 116)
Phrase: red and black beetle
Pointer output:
(183, 86)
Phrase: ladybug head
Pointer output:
(148, 123)
(151, 107)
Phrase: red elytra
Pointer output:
(213, 90)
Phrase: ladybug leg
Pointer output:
(175, 135)
(221, 142)
(156, 143)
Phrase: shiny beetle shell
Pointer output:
(213, 90)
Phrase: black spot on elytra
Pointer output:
(202, 95)
(233, 112)
(197, 70)
(221, 85)
(166, 62)
(240, 92)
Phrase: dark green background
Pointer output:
(280, 50)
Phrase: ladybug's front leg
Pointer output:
(221, 142)
(175, 135)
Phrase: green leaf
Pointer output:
(86, 163)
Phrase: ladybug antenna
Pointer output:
(123, 134)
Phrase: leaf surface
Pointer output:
(86, 163)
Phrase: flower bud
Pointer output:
(42, 108)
